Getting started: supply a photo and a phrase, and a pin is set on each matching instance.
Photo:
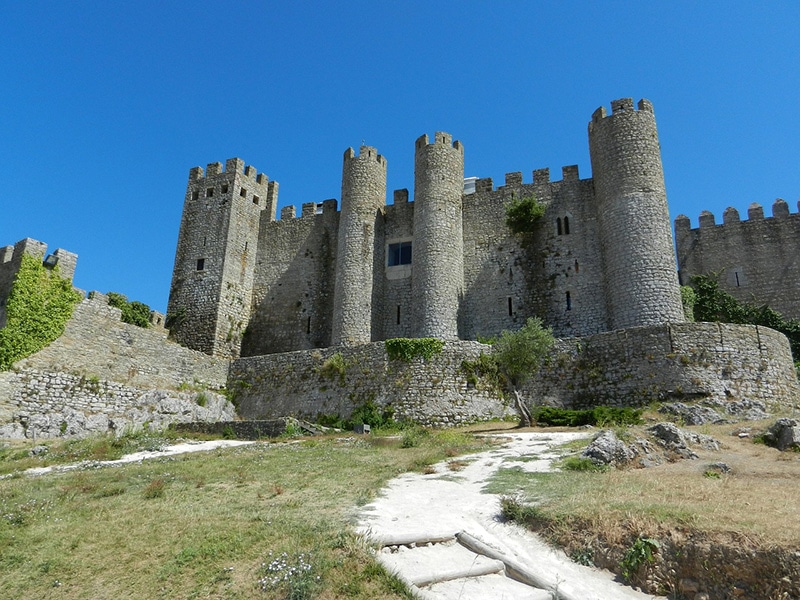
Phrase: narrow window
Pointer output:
(569, 302)
(245, 246)
(256, 199)
(577, 268)
(209, 192)
(308, 325)
(566, 225)
(737, 277)
(201, 264)
(510, 307)
(204, 241)
(398, 314)
(558, 225)
(224, 188)
(195, 195)
(243, 193)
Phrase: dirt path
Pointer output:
(441, 534)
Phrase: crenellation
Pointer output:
(514, 178)
(621, 105)
(214, 168)
(330, 206)
(541, 176)
(400, 196)
(484, 184)
(309, 209)
(755, 212)
(780, 209)
(235, 165)
(288, 212)
(569, 173)
(731, 215)
(707, 219)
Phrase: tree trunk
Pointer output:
(524, 413)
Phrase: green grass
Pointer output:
(207, 525)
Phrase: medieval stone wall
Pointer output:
(396, 314)
(432, 392)
(756, 260)
(670, 362)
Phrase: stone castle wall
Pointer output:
(670, 362)
(104, 375)
(756, 259)
(432, 392)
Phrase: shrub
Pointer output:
(600, 415)
(406, 349)
(334, 367)
(133, 313)
(523, 213)
(639, 554)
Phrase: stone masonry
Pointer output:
(445, 265)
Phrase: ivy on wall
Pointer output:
(134, 313)
(39, 305)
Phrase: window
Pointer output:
(195, 195)
(510, 307)
(398, 314)
(399, 254)
(243, 193)
(201, 264)
(256, 199)
(224, 188)
(566, 225)
(209, 192)
(569, 301)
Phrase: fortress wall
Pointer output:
(102, 375)
(97, 344)
(396, 304)
(537, 271)
(294, 283)
(434, 392)
(756, 259)
(670, 362)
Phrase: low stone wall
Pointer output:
(96, 343)
(432, 392)
(682, 361)
(46, 405)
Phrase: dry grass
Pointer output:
(758, 499)
(201, 525)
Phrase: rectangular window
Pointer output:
(209, 192)
(399, 254)
(243, 193)
(195, 195)
(224, 188)
(256, 199)
(201, 264)
(398, 314)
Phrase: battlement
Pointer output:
(365, 153)
(569, 173)
(400, 196)
(623, 105)
(755, 212)
(232, 165)
(440, 138)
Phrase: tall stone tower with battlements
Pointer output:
(363, 197)
(445, 265)
(631, 205)
(212, 281)
(438, 255)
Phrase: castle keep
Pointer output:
(444, 265)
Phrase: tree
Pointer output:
(518, 355)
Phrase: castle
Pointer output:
(445, 265)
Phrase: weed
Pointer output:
(292, 574)
(637, 556)
(155, 489)
(577, 463)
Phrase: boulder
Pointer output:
(678, 440)
(692, 414)
(784, 434)
(607, 449)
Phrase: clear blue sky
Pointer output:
(105, 106)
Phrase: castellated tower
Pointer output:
(635, 234)
(212, 281)
(363, 196)
(438, 248)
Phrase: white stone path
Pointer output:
(441, 534)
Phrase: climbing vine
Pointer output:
(39, 305)
(407, 348)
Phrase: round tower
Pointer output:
(635, 231)
(438, 247)
(363, 196)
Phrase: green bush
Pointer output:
(39, 305)
(640, 553)
(406, 349)
(600, 415)
(523, 213)
(133, 313)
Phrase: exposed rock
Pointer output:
(37, 450)
(12, 431)
(607, 449)
(719, 467)
(692, 414)
(742, 410)
(677, 440)
(784, 434)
